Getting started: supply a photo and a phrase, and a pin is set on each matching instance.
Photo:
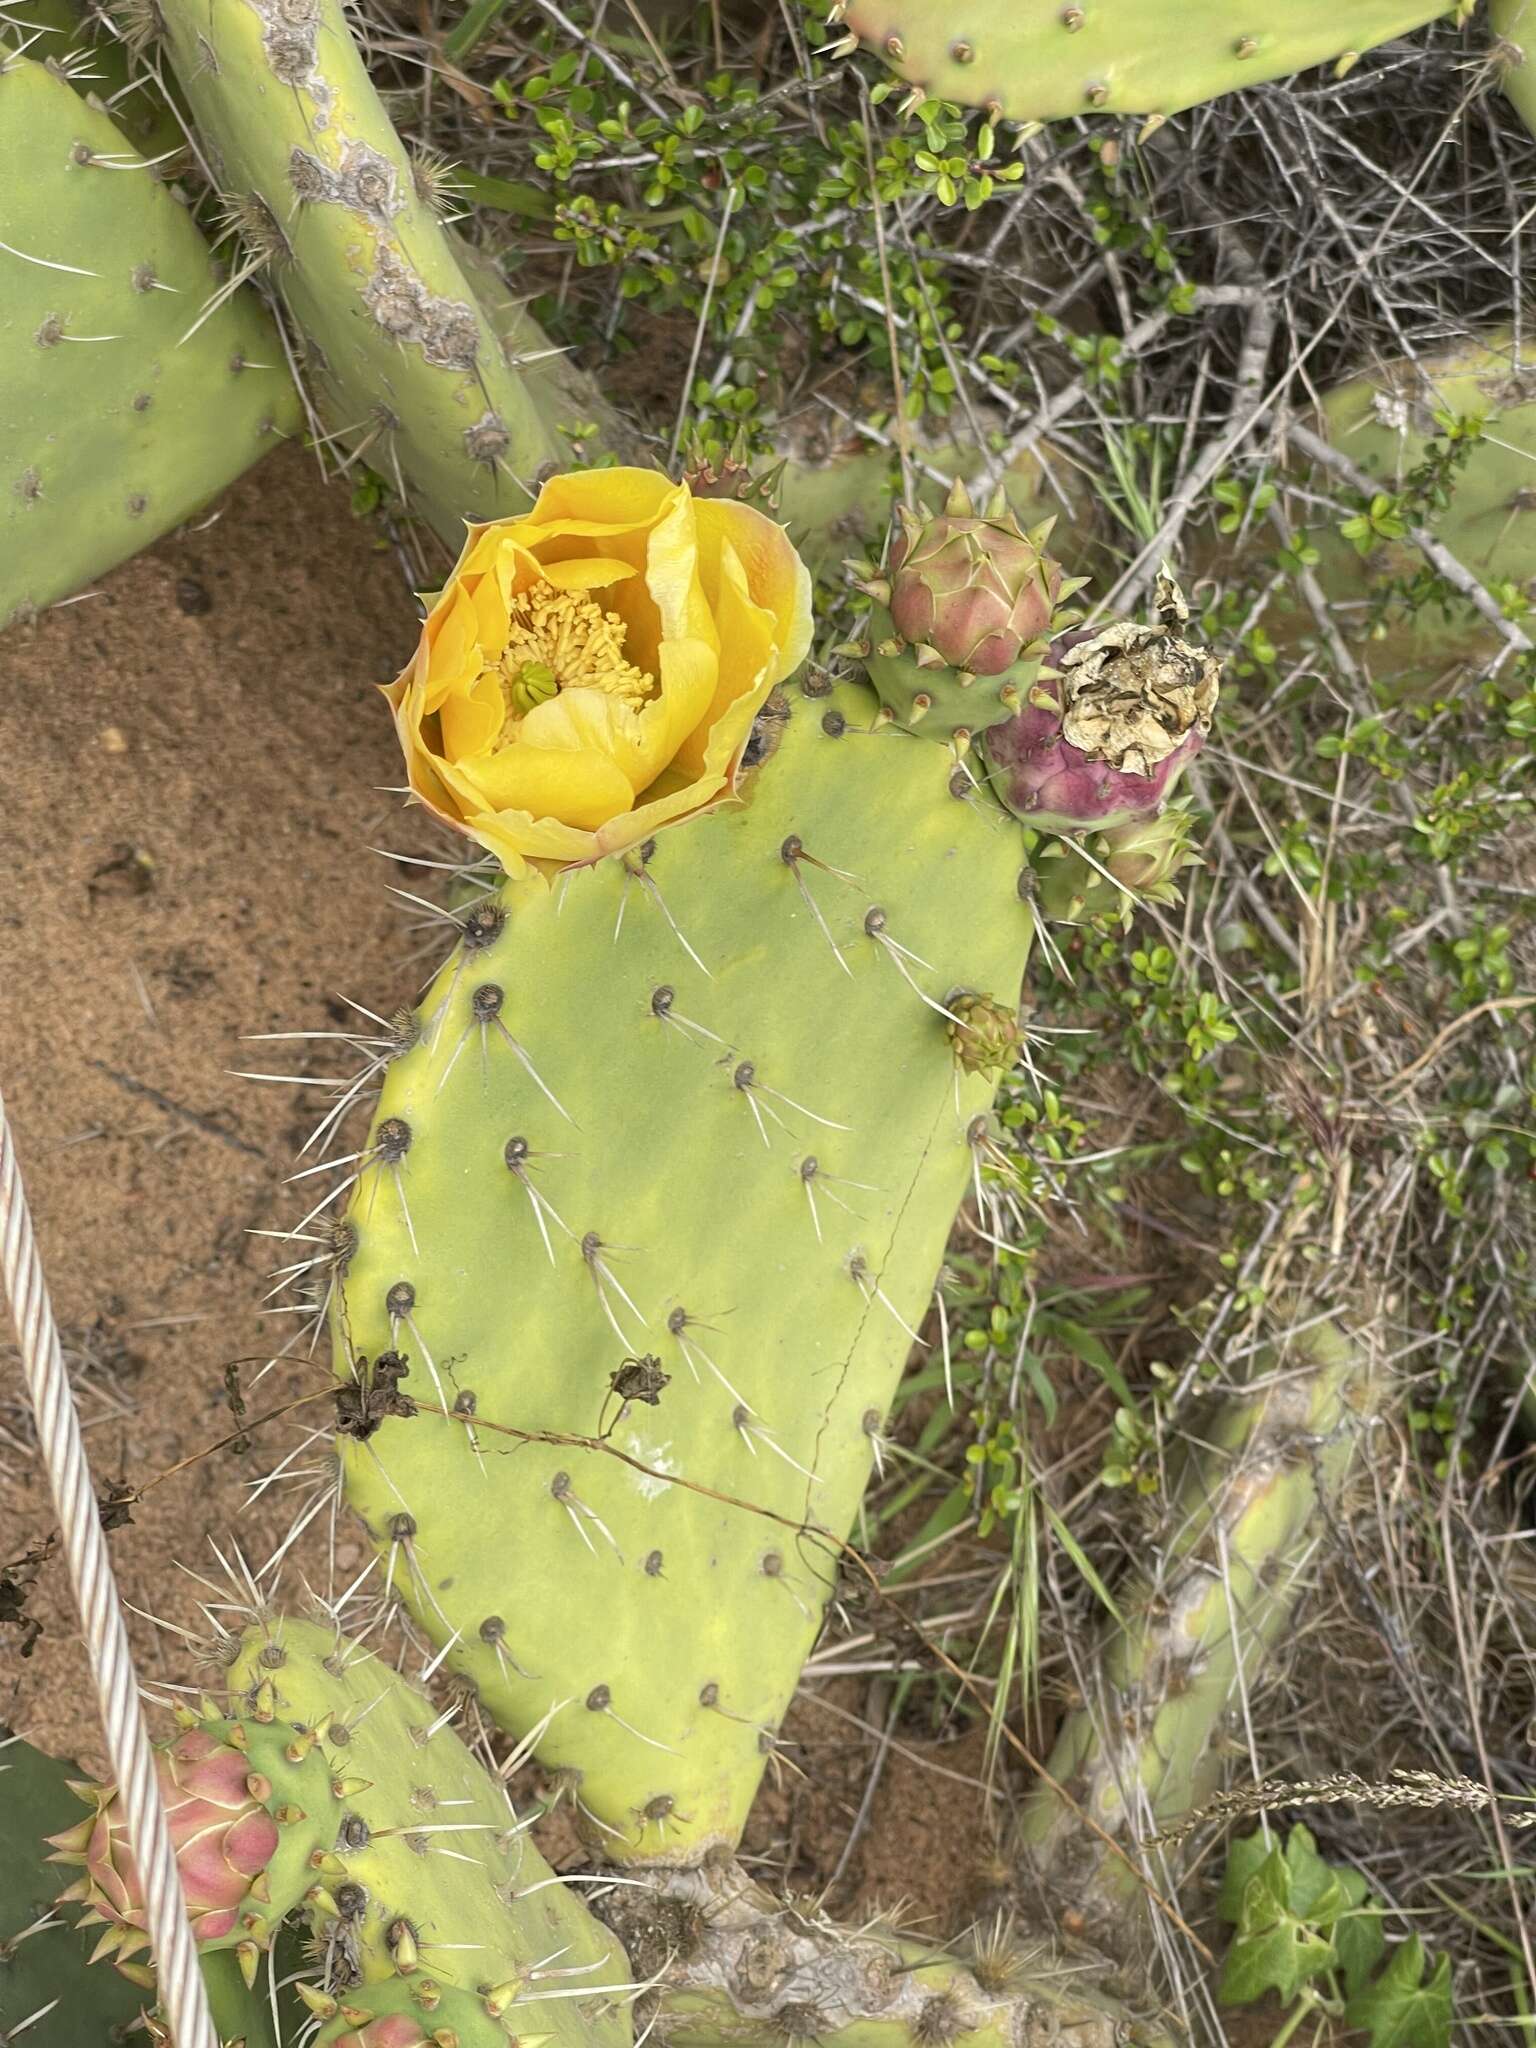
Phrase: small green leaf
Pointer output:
(1244, 1859)
(1401, 2010)
(1273, 1949)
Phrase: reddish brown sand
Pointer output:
(192, 767)
(194, 764)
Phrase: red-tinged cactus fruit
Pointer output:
(962, 614)
(1113, 719)
(244, 1827)
(976, 589)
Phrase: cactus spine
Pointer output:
(116, 421)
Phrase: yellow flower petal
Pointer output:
(587, 572)
(715, 607)
(775, 573)
(750, 662)
(690, 671)
(453, 637)
(517, 838)
(593, 501)
(491, 615)
(471, 718)
(565, 780)
(590, 721)
(672, 575)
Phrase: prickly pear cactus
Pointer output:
(333, 1790)
(653, 1207)
(1042, 60)
(48, 1998)
(327, 202)
(116, 421)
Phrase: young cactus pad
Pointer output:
(671, 1162)
(116, 421)
(400, 356)
(1046, 60)
(430, 1879)
(335, 1789)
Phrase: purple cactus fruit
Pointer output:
(975, 590)
(1114, 718)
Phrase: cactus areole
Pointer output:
(1113, 719)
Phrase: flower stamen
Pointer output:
(564, 640)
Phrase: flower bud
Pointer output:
(985, 1034)
(974, 590)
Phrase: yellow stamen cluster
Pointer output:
(564, 640)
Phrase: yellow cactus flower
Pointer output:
(591, 670)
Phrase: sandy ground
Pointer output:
(192, 764)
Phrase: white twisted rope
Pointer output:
(106, 1640)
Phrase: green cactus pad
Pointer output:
(78, 44)
(113, 428)
(1513, 27)
(429, 1880)
(401, 358)
(242, 2013)
(42, 1956)
(701, 1113)
(1045, 60)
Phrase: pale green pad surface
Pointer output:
(692, 1614)
(1384, 423)
(1126, 56)
(112, 429)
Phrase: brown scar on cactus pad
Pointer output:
(461, 410)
